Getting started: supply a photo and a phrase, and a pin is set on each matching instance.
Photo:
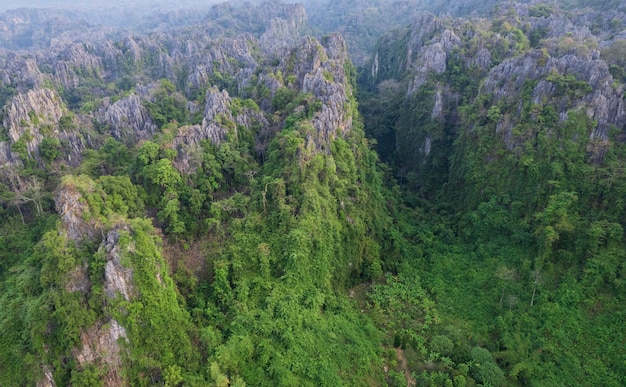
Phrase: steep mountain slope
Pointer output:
(245, 146)
(513, 129)
(198, 204)
(520, 60)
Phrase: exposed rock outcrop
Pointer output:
(117, 278)
(284, 31)
(421, 30)
(602, 102)
(126, 118)
(29, 111)
(428, 44)
(483, 60)
(78, 280)
(228, 56)
(216, 111)
(75, 213)
(320, 69)
(75, 62)
(220, 120)
(7, 157)
(431, 58)
(101, 347)
(20, 72)
(33, 115)
(48, 379)
(520, 45)
(100, 344)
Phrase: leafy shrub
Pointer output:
(282, 98)
(484, 368)
(441, 344)
(66, 123)
(50, 148)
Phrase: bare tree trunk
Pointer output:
(21, 215)
(265, 199)
(532, 300)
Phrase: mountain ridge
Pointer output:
(199, 200)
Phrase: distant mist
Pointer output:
(92, 5)
(155, 5)
(134, 14)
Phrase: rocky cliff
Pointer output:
(127, 259)
(33, 116)
(216, 86)
(77, 220)
(19, 72)
(221, 119)
(126, 118)
(523, 54)
(76, 73)
(601, 100)
(323, 74)
(235, 145)
(28, 112)
(312, 67)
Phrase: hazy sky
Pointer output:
(93, 4)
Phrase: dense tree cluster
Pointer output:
(487, 250)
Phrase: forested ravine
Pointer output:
(227, 199)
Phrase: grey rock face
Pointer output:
(100, 344)
(375, 66)
(227, 56)
(504, 80)
(117, 278)
(424, 28)
(187, 144)
(41, 105)
(215, 111)
(194, 58)
(32, 116)
(283, 33)
(482, 59)
(445, 62)
(6, 156)
(220, 121)
(434, 60)
(604, 104)
(425, 59)
(204, 58)
(100, 347)
(24, 116)
(335, 46)
(326, 80)
(78, 280)
(72, 209)
(270, 82)
(319, 69)
(305, 58)
(127, 118)
(558, 25)
(75, 61)
(20, 72)
(437, 112)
